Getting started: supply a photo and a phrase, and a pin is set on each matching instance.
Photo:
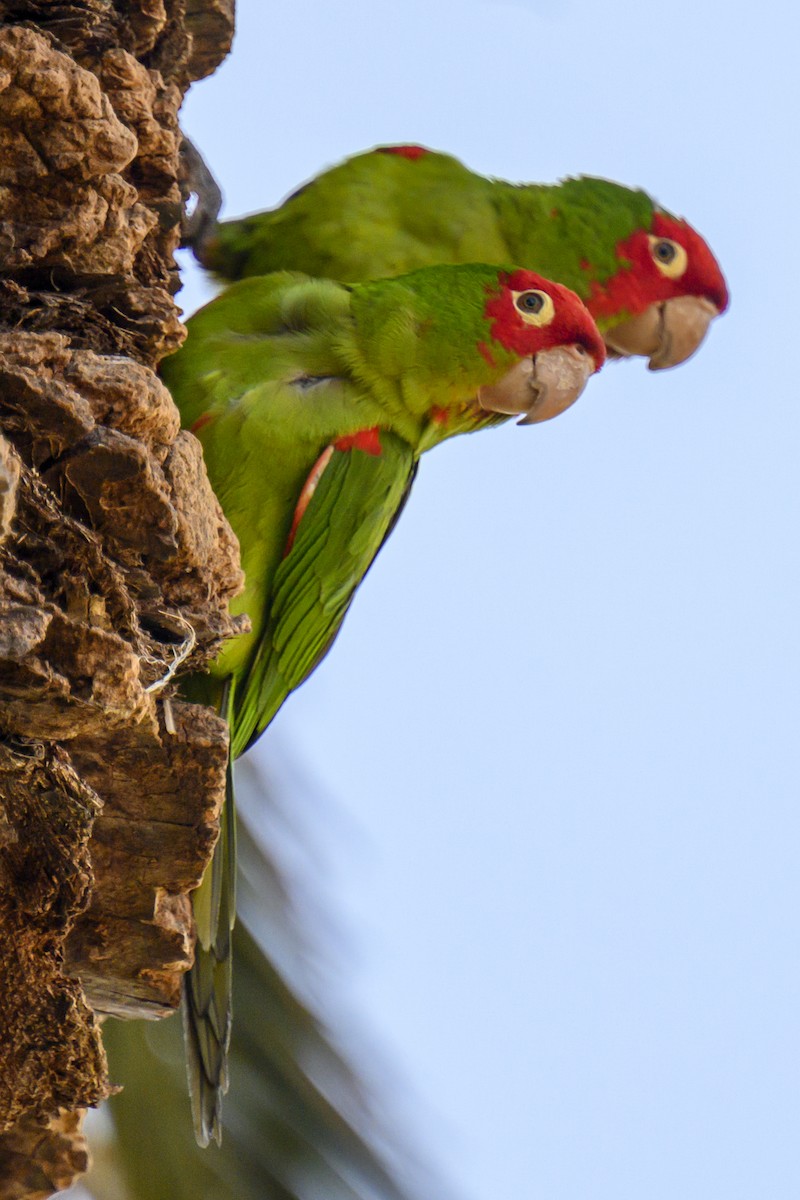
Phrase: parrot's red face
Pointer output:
(530, 313)
(552, 331)
(671, 260)
(670, 288)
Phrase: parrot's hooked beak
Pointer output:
(540, 387)
(667, 333)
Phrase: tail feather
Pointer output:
(207, 990)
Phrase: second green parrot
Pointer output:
(648, 278)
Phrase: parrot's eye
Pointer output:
(535, 307)
(670, 257)
(530, 302)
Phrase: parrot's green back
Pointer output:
(390, 211)
(373, 215)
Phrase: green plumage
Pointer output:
(277, 376)
(274, 371)
(383, 213)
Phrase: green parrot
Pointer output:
(313, 401)
(648, 278)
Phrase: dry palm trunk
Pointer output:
(115, 560)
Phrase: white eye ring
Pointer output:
(669, 256)
(535, 307)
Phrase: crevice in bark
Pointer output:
(115, 558)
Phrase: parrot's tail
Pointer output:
(207, 1008)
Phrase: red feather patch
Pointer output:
(201, 421)
(412, 152)
(367, 440)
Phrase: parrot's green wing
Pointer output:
(352, 511)
(376, 214)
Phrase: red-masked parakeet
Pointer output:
(648, 278)
(313, 401)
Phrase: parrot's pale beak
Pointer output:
(540, 387)
(667, 333)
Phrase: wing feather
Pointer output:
(349, 516)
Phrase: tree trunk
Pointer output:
(116, 564)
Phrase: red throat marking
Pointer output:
(412, 152)
(487, 354)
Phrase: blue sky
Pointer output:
(559, 727)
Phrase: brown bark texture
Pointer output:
(116, 563)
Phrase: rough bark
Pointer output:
(116, 564)
(41, 1157)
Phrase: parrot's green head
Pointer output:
(513, 340)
